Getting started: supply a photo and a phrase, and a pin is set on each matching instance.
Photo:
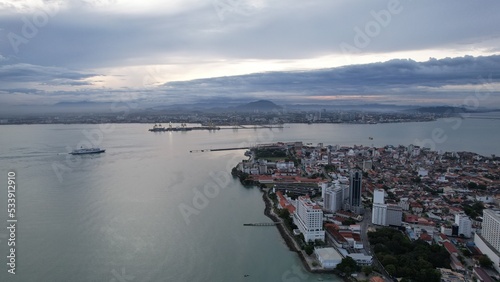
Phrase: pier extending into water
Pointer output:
(233, 148)
(263, 224)
(220, 149)
(184, 127)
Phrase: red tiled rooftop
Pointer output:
(450, 247)
(443, 236)
(425, 237)
(377, 279)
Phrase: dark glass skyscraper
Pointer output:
(355, 189)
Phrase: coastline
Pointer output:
(290, 242)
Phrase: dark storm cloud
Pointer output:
(82, 37)
(392, 76)
(13, 73)
(74, 42)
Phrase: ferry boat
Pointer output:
(83, 151)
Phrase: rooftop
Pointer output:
(328, 254)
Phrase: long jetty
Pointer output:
(211, 127)
(232, 148)
(220, 149)
(262, 224)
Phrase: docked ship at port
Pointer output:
(85, 151)
(157, 128)
(182, 127)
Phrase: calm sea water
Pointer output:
(135, 212)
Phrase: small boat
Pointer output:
(84, 151)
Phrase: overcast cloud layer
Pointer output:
(335, 51)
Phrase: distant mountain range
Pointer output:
(261, 105)
(219, 106)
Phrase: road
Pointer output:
(365, 224)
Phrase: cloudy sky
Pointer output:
(289, 51)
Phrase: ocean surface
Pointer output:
(148, 209)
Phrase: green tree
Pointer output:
(284, 213)
(347, 266)
(472, 185)
(391, 269)
(466, 253)
(309, 249)
(485, 261)
(318, 242)
(389, 259)
(367, 270)
(349, 221)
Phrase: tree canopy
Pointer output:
(485, 261)
(414, 260)
(347, 266)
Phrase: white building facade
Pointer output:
(334, 196)
(491, 228)
(309, 218)
(489, 240)
(384, 214)
(464, 225)
(379, 214)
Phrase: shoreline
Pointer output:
(290, 241)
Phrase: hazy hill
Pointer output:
(261, 105)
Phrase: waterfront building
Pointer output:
(489, 240)
(328, 257)
(309, 218)
(464, 225)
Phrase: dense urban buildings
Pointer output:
(433, 196)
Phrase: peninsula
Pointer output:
(335, 203)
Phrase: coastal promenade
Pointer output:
(290, 241)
